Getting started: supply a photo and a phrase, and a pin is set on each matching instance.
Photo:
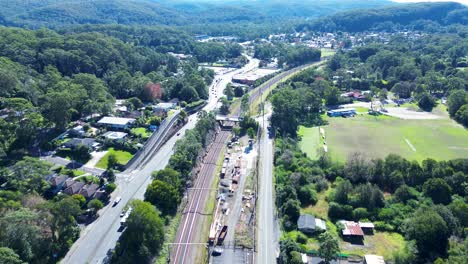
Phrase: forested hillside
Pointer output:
(390, 18)
(52, 13)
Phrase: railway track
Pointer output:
(191, 217)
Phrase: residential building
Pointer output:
(88, 191)
(56, 183)
(308, 224)
(163, 107)
(114, 135)
(75, 142)
(116, 122)
(74, 188)
(352, 229)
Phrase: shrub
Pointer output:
(301, 238)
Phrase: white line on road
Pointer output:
(410, 145)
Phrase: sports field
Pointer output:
(440, 139)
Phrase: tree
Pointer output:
(331, 95)
(110, 187)
(307, 195)
(429, 231)
(111, 161)
(29, 173)
(328, 247)
(170, 176)
(229, 92)
(143, 236)
(224, 108)
(95, 205)
(163, 195)
(455, 101)
(251, 132)
(426, 102)
(81, 153)
(21, 233)
(438, 190)
(462, 115)
(8, 256)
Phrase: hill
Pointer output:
(53, 14)
(390, 17)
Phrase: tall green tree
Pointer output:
(143, 237)
(328, 247)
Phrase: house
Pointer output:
(77, 131)
(116, 122)
(352, 229)
(88, 191)
(345, 112)
(367, 227)
(75, 142)
(309, 224)
(306, 223)
(56, 183)
(163, 108)
(373, 259)
(113, 135)
(74, 188)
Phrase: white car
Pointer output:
(117, 200)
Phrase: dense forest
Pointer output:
(51, 13)
(54, 78)
(414, 16)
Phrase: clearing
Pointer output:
(378, 136)
(122, 158)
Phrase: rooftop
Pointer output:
(352, 229)
(111, 120)
(306, 221)
(373, 259)
(114, 135)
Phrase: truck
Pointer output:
(123, 221)
(222, 235)
(223, 173)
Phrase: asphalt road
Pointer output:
(266, 225)
(100, 237)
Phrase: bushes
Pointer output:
(307, 195)
(338, 211)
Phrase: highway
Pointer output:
(100, 237)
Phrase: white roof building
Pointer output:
(116, 121)
(114, 135)
(373, 259)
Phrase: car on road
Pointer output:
(122, 213)
(217, 251)
(117, 200)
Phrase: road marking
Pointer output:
(410, 145)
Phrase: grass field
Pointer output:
(440, 139)
(327, 52)
(141, 132)
(122, 158)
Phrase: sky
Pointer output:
(414, 1)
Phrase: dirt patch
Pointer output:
(408, 114)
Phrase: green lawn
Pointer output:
(327, 52)
(381, 243)
(311, 141)
(441, 139)
(122, 158)
(141, 132)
